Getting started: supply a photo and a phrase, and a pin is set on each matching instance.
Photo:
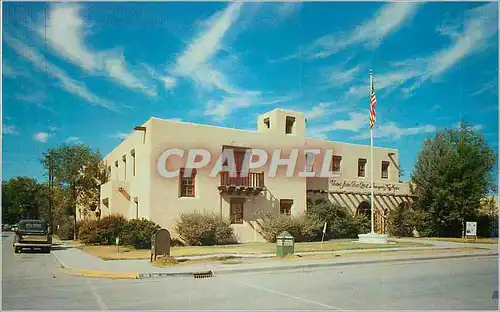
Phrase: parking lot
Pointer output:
(35, 281)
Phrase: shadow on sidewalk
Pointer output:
(60, 247)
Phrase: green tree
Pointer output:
(24, 198)
(452, 174)
(76, 171)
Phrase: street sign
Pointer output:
(470, 228)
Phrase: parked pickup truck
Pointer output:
(33, 234)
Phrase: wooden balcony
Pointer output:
(251, 184)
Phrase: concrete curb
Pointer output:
(102, 274)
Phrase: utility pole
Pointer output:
(51, 182)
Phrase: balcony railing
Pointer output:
(251, 180)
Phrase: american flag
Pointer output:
(373, 103)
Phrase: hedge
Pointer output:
(135, 232)
(200, 228)
(303, 228)
(341, 223)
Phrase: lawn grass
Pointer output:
(380, 253)
(464, 240)
(111, 252)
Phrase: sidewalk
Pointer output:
(79, 262)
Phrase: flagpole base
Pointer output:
(373, 238)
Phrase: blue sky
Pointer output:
(90, 72)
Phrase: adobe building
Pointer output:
(137, 189)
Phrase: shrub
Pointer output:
(66, 228)
(340, 221)
(403, 220)
(303, 228)
(109, 227)
(198, 229)
(137, 233)
(102, 231)
(88, 232)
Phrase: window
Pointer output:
(236, 210)
(136, 201)
(187, 183)
(124, 158)
(290, 121)
(109, 172)
(336, 160)
(385, 169)
(132, 152)
(286, 206)
(309, 162)
(361, 167)
(267, 123)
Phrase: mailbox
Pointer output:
(285, 244)
(160, 243)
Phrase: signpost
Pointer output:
(323, 236)
(471, 229)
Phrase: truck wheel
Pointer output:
(46, 250)
(17, 249)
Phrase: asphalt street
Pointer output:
(35, 281)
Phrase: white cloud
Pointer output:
(10, 129)
(323, 109)
(169, 82)
(286, 9)
(435, 108)
(195, 61)
(370, 34)
(73, 139)
(477, 127)
(199, 62)
(355, 123)
(41, 137)
(317, 111)
(490, 86)
(479, 26)
(68, 84)
(120, 135)
(38, 97)
(66, 32)
(117, 69)
(11, 72)
(338, 77)
(220, 110)
(392, 130)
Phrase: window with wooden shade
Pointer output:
(286, 206)
(361, 167)
(236, 210)
(385, 169)
(187, 183)
(336, 160)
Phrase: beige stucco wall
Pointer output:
(135, 187)
(159, 198)
(166, 205)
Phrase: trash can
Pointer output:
(285, 244)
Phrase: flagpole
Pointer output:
(371, 163)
